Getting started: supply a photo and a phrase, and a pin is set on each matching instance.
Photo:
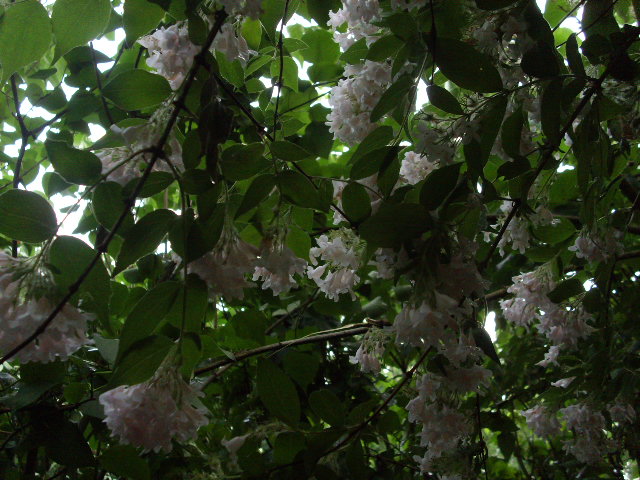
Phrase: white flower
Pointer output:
(551, 357)
(232, 44)
(486, 37)
(224, 268)
(541, 421)
(353, 99)
(425, 325)
(416, 167)
(595, 249)
(368, 361)
(23, 314)
(151, 414)
(338, 274)
(516, 233)
(470, 379)
(170, 52)
(234, 444)
(276, 268)
(563, 382)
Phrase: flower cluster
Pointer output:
(354, 98)
(276, 267)
(170, 52)
(232, 44)
(340, 252)
(225, 267)
(596, 249)
(25, 306)
(358, 15)
(151, 414)
(249, 8)
(588, 444)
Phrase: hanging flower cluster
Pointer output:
(152, 414)
(25, 302)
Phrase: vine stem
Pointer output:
(199, 60)
(24, 137)
(281, 73)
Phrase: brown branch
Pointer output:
(99, 84)
(199, 60)
(357, 329)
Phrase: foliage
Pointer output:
(275, 234)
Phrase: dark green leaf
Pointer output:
(392, 97)
(76, 166)
(573, 56)
(356, 202)
(565, 290)
(372, 161)
(259, 189)
(540, 61)
(392, 224)
(299, 190)
(139, 18)
(240, 162)
(140, 361)
(442, 99)
(438, 185)
(26, 217)
(277, 392)
(466, 67)
(76, 22)
(144, 237)
(25, 35)
(124, 460)
(384, 48)
(288, 151)
(137, 89)
(327, 406)
(483, 341)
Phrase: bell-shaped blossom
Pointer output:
(23, 313)
(152, 414)
(415, 167)
(224, 269)
(337, 275)
(541, 421)
(358, 15)
(426, 325)
(276, 268)
(232, 44)
(354, 98)
(170, 52)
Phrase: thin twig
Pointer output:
(281, 74)
(99, 84)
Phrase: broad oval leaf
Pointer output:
(465, 66)
(277, 392)
(25, 35)
(26, 217)
(444, 100)
(76, 166)
(76, 22)
(137, 89)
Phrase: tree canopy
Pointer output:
(363, 239)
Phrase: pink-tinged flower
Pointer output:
(152, 414)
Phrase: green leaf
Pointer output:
(555, 233)
(540, 61)
(512, 133)
(289, 72)
(466, 66)
(393, 224)
(356, 52)
(392, 97)
(328, 406)
(321, 48)
(483, 341)
(140, 361)
(139, 18)
(76, 166)
(156, 183)
(302, 367)
(137, 89)
(63, 440)
(190, 317)
(277, 392)
(356, 202)
(438, 185)
(551, 111)
(76, 22)
(240, 162)
(259, 189)
(107, 205)
(384, 48)
(71, 257)
(144, 237)
(288, 151)
(252, 32)
(124, 461)
(379, 138)
(372, 161)
(444, 100)
(26, 217)
(573, 56)
(148, 314)
(299, 190)
(565, 290)
(25, 35)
